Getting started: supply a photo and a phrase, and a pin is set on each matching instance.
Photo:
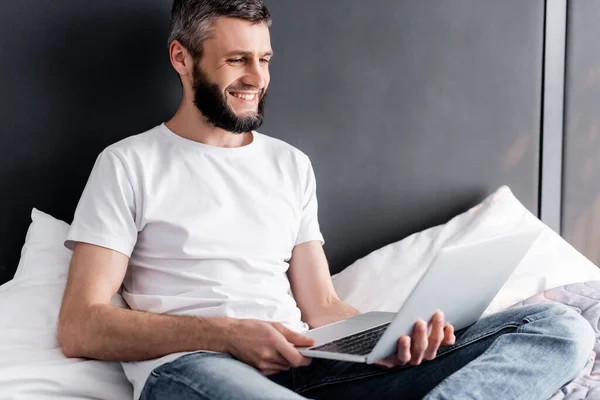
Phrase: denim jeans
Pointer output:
(525, 352)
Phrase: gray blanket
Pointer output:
(585, 298)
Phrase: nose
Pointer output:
(256, 75)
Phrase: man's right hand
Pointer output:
(267, 346)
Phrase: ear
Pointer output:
(181, 60)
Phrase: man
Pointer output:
(208, 224)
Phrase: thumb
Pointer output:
(386, 362)
(294, 337)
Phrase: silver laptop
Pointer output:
(461, 282)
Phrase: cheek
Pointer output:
(225, 78)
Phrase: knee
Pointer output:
(578, 336)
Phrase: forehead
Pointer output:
(231, 34)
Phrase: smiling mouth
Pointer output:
(249, 97)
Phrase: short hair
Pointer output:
(191, 20)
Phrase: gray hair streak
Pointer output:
(191, 20)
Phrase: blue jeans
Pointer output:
(526, 352)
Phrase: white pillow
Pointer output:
(43, 255)
(32, 365)
(382, 280)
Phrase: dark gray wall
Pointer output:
(411, 111)
(75, 76)
(581, 175)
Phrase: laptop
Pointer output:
(461, 282)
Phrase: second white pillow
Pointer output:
(382, 280)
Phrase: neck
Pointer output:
(189, 123)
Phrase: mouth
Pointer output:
(245, 97)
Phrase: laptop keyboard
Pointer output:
(360, 343)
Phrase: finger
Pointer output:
(449, 337)
(418, 342)
(386, 362)
(277, 358)
(306, 361)
(269, 372)
(266, 365)
(293, 357)
(403, 353)
(294, 337)
(435, 337)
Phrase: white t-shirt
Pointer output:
(209, 230)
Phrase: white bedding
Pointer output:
(33, 367)
(583, 297)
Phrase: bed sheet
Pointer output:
(584, 297)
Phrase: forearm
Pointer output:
(112, 333)
(331, 313)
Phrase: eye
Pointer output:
(235, 61)
(265, 60)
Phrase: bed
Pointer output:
(413, 149)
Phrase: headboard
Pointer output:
(411, 111)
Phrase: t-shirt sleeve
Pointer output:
(309, 222)
(105, 215)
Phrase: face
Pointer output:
(230, 82)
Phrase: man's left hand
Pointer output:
(423, 344)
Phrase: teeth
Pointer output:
(244, 96)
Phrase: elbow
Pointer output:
(69, 338)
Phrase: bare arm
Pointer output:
(89, 326)
(312, 287)
(333, 312)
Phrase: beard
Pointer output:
(212, 103)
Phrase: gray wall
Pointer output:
(581, 179)
(75, 76)
(411, 111)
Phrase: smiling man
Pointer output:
(209, 226)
